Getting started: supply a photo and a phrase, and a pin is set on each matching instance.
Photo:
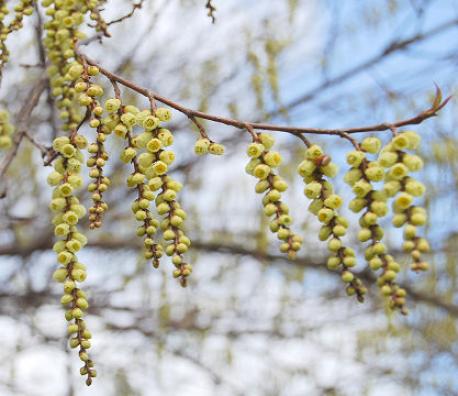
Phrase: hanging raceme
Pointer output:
(261, 165)
(173, 216)
(69, 81)
(68, 211)
(147, 152)
(373, 205)
(122, 120)
(325, 205)
(24, 8)
(88, 93)
(404, 188)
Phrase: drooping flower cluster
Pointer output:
(314, 169)
(400, 185)
(62, 35)
(69, 82)
(262, 164)
(66, 179)
(149, 154)
(22, 9)
(373, 205)
(88, 97)
(154, 163)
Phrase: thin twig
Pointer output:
(392, 48)
(135, 6)
(342, 132)
(200, 127)
(44, 150)
(24, 117)
(211, 10)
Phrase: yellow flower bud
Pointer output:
(400, 142)
(272, 158)
(201, 146)
(375, 173)
(154, 145)
(325, 215)
(330, 170)
(371, 145)
(160, 167)
(403, 201)
(314, 152)
(60, 275)
(347, 276)
(364, 234)
(267, 140)
(312, 190)
(398, 171)
(413, 139)
(352, 176)
(163, 114)
(333, 263)
(262, 171)
(354, 158)
(361, 188)
(334, 245)
(150, 123)
(255, 150)
(306, 168)
(387, 159)
(413, 162)
(167, 156)
(216, 149)
(165, 136)
(334, 201)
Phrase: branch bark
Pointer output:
(390, 49)
(244, 125)
(23, 119)
(45, 243)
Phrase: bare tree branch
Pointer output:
(244, 125)
(45, 243)
(392, 48)
(23, 120)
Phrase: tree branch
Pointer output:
(211, 10)
(23, 119)
(391, 48)
(45, 243)
(342, 132)
(135, 6)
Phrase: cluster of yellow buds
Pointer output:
(122, 120)
(205, 146)
(88, 94)
(261, 165)
(151, 158)
(404, 188)
(314, 169)
(66, 179)
(95, 7)
(62, 35)
(69, 82)
(172, 224)
(373, 205)
(22, 9)
(155, 163)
